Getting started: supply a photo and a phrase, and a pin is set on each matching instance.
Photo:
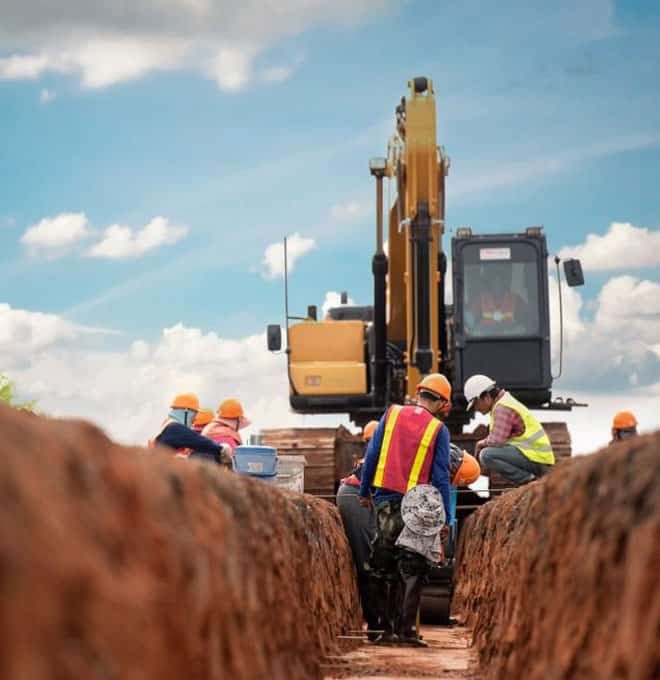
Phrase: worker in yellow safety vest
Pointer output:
(409, 448)
(517, 446)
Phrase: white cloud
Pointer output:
(56, 233)
(624, 246)
(23, 332)
(120, 242)
(297, 247)
(351, 211)
(46, 96)
(332, 299)
(616, 348)
(218, 38)
(69, 380)
(231, 67)
(23, 67)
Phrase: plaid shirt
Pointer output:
(507, 424)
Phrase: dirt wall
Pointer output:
(117, 563)
(561, 579)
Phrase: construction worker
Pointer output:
(497, 309)
(624, 426)
(410, 447)
(360, 527)
(177, 433)
(517, 446)
(202, 419)
(224, 428)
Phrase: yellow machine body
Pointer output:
(328, 357)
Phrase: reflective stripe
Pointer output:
(420, 456)
(529, 441)
(534, 442)
(385, 448)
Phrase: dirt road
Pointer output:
(448, 656)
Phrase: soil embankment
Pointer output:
(560, 579)
(117, 563)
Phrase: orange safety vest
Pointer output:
(493, 312)
(406, 454)
(222, 434)
(152, 442)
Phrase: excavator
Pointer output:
(360, 359)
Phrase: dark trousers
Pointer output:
(360, 527)
(391, 571)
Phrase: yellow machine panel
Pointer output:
(327, 341)
(327, 357)
(329, 377)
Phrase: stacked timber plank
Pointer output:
(560, 438)
(329, 453)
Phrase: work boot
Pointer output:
(411, 595)
(387, 614)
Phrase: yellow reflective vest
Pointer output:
(533, 442)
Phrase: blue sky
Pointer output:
(550, 113)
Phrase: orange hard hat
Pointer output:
(230, 408)
(436, 383)
(624, 420)
(369, 430)
(468, 472)
(187, 400)
(203, 417)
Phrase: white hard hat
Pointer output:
(475, 386)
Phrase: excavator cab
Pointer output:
(501, 311)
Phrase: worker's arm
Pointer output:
(371, 459)
(440, 476)
(178, 436)
(505, 424)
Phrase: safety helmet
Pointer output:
(624, 420)
(468, 471)
(437, 384)
(203, 417)
(475, 386)
(369, 429)
(232, 409)
(187, 400)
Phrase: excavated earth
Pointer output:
(121, 563)
(561, 579)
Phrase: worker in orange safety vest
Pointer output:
(224, 428)
(409, 448)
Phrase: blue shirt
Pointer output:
(178, 436)
(439, 469)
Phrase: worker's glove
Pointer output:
(225, 455)
(366, 501)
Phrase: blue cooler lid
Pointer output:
(259, 450)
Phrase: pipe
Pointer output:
(420, 236)
(379, 269)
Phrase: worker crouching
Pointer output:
(517, 446)
(410, 448)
